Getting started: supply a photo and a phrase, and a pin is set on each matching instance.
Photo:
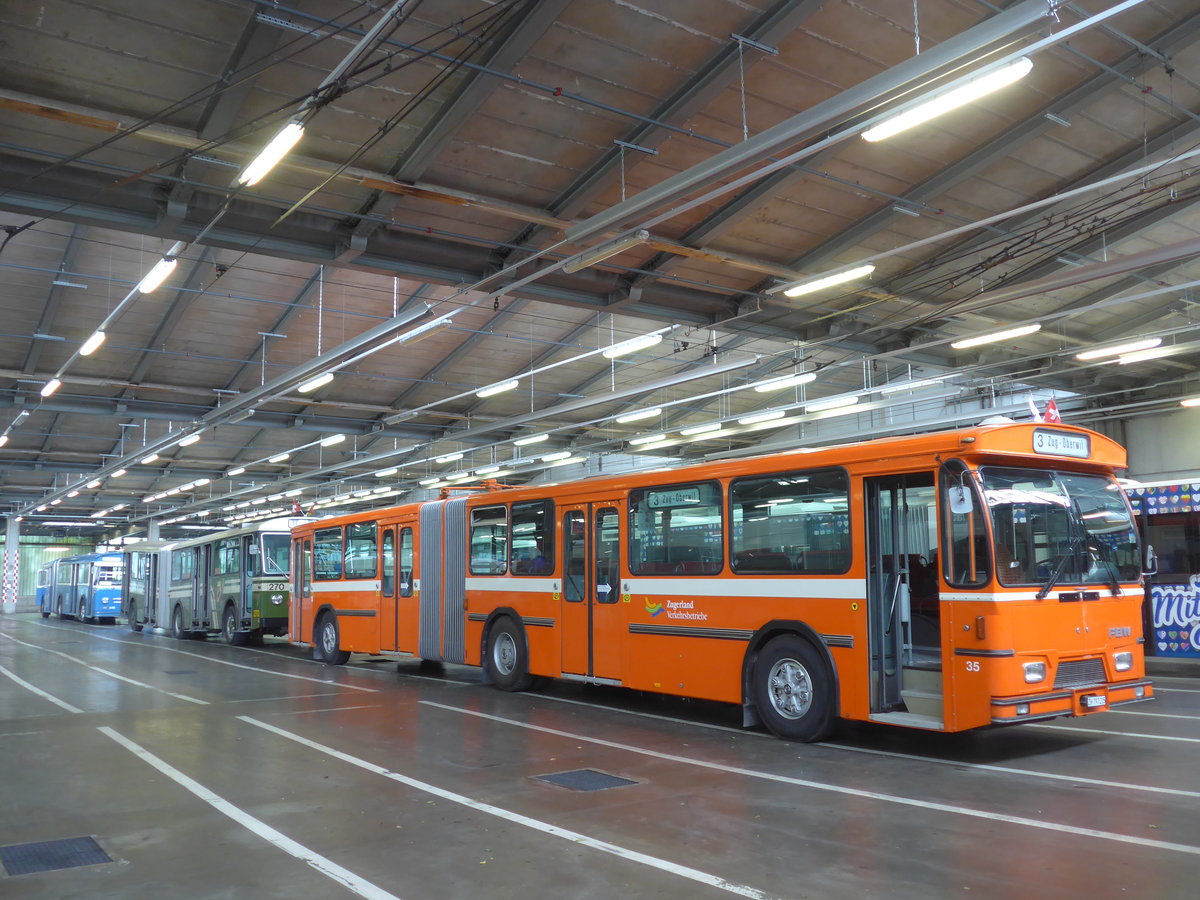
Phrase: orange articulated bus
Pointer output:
(944, 581)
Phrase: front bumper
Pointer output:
(1080, 701)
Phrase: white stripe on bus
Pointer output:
(358, 584)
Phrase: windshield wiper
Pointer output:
(1069, 553)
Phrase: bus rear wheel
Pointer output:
(327, 641)
(508, 657)
(134, 624)
(792, 690)
(230, 630)
(177, 630)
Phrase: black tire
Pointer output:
(229, 631)
(327, 641)
(793, 689)
(131, 616)
(45, 613)
(508, 657)
(58, 609)
(82, 610)
(177, 630)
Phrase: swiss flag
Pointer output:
(297, 510)
(1051, 414)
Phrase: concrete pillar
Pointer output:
(12, 565)
(152, 530)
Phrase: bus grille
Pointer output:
(1076, 673)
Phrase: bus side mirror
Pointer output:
(1151, 566)
(960, 500)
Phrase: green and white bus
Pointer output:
(234, 582)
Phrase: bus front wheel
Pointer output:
(508, 656)
(229, 628)
(793, 690)
(134, 624)
(328, 641)
(83, 616)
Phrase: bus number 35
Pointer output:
(972, 665)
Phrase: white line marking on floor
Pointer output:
(1163, 690)
(838, 789)
(277, 699)
(1130, 712)
(656, 716)
(1078, 729)
(107, 672)
(1008, 770)
(326, 867)
(37, 690)
(544, 827)
(222, 662)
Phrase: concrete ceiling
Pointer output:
(463, 151)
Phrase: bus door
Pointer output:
(250, 566)
(902, 593)
(591, 618)
(201, 579)
(389, 612)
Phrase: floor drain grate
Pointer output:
(586, 780)
(45, 856)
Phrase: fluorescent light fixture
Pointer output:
(995, 336)
(72, 494)
(41, 508)
(332, 439)
(156, 276)
(569, 460)
(280, 457)
(560, 454)
(95, 483)
(313, 383)
(498, 388)
(459, 476)
(384, 473)
(638, 414)
(604, 251)
(50, 387)
(148, 458)
(425, 482)
(897, 386)
(233, 473)
(787, 381)
(119, 506)
(200, 482)
(3, 439)
(448, 458)
(819, 284)
(701, 429)
(193, 438)
(944, 102)
(1119, 349)
(769, 416)
(532, 439)
(487, 470)
(381, 490)
(1143, 355)
(92, 344)
(831, 403)
(278, 147)
(632, 345)
(118, 473)
(1190, 401)
(647, 439)
(56, 501)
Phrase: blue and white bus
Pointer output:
(85, 587)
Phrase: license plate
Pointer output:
(1091, 701)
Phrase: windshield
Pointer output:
(274, 556)
(1060, 528)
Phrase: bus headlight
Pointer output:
(1034, 672)
(277, 599)
(1123, 662)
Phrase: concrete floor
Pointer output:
(208, 771)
